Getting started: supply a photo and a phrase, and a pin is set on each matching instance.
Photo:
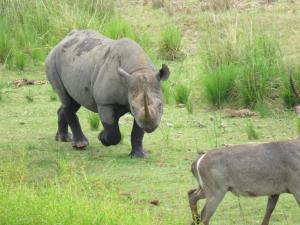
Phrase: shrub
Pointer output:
(251, 131)
(182, 93)
(93, 119)
(170, 42)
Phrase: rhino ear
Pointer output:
(163, 73)
(123, 73)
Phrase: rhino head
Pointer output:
(144, 96)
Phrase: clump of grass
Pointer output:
(260, 64)
(189, 106)
(118, 28)
(53, 95)
(29, 96)
(182, 93)
(219, 84)
(20, 60)
(219, 5)
(94, 121)
(170, 43)
(241, 61)
(166, 90)
(251, 131)
(1, 90)
(156, 4)
(263, 109)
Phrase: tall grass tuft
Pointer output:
(182, 93)
(166, 91)
(220, 84)
(238, 62)
(260, 64)
(251, 131)
(170, 43)
(118, 28)
(156, 4)
(29, 28)
(93, 119)
(189, 106)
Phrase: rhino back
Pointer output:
(78, 59)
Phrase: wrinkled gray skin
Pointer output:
(267, 169)
(111, 77)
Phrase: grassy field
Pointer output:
(47, 182)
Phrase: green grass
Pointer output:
(239, 60)
(29, 96)
(182, 93)
(53, 95)
(220, 85)
(31, 28)
(170, 43)
(251, 131)
(94, 121)
(47, 182)
(118, 28)
(70, 198)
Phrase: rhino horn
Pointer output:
(146, 102)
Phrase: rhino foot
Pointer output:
(80, 144)
(63, 137)
(138, 154)
(107, 140)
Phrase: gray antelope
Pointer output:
(267, 169)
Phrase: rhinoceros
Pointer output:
(111, 77)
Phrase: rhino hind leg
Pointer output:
(137, 135)
(79, 140)
(62, 133)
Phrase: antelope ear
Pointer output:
(163, 73)
(123, 73)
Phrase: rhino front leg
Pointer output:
(137, 135)
(110, 135)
